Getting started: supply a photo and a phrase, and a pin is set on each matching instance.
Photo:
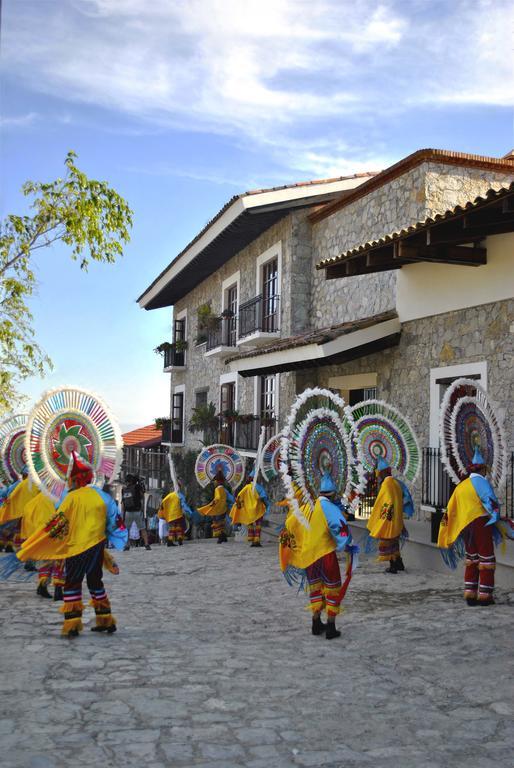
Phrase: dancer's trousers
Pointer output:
(480, 562)
(325, 589)
(88, 564)
(254, 531)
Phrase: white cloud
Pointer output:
(18, 121)
(266, 71)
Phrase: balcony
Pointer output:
(174, 359)
(248, 430)
(221, 339)
(259, 320)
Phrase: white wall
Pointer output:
(426, 289)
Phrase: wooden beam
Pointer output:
(445, 254)
(455, 234)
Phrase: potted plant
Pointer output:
(163, 348)
(227, 314)
(161, 422)
(180, 345)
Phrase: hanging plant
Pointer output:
(163, 348)
(180, 345)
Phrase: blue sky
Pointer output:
(180, 105)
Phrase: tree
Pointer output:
(88, 216)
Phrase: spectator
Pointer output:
(132, 496)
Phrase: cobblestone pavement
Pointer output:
(214, 665)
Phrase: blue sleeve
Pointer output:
(264, 498)
(230, 499)
(487, 496)
(186, 509)
(117, 534)
(408, 503)
(336, 523)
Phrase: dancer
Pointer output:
(173, 510)
(472, 512)
(11, 511)
(392, 505)
(37, 513)
(251, 507)
(310, 553)
(472, 445)
(218, 507)
(320, 462)
(77, 534)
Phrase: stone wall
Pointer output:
(485, 332)
(423, 191)
(204, 372)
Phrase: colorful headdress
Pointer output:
(384, 433)
(220, 458)
(320, 436)
(270, 458)
(13, 458)
(469, 421)
(68, 420)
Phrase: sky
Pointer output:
(180, 104)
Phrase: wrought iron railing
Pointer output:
(368, 498)
(259, 314)
(247, 432)
(223, 335)
(174, 357)
(436, 485)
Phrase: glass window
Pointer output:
(270, 296)
(177, 418)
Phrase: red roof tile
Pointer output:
(144, 437)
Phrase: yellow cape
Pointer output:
(386, 519)
(38, 512)
(249, 506)
(300, 546)
(14, 505)
(78, 524)
(218, 506)
(463, 507)
(171, 508)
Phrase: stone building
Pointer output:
(390, 284)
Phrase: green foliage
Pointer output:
(162, 348)
(205, 419)
(86, 215)
(162, 421)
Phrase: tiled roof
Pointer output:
(318, 336)
(490, 196)
(441, 156)
(234, 198)
(144, 437)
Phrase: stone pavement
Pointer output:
(214, 665)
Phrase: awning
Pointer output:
(324, 346)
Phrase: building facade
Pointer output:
(392, 286)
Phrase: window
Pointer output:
(179, 341)
(227, 409)
(270, 296)
(268, 404)
(177, 418)
(357, 395)
(231, 322)
(201, 398)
